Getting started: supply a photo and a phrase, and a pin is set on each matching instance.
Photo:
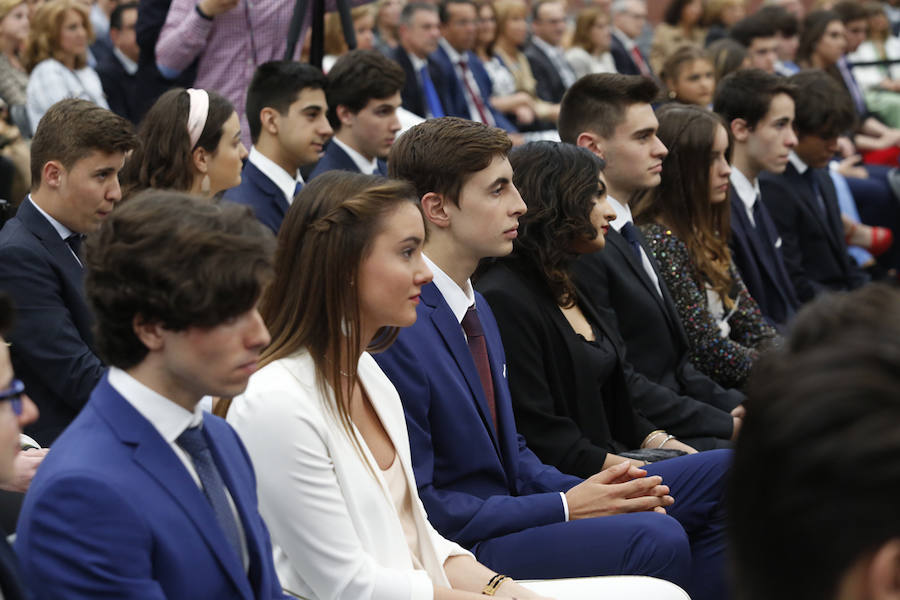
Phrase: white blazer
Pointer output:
(335, 530)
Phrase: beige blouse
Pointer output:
(396, 483)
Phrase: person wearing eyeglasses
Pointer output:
(16, 410)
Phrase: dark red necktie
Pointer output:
(471, 324)
(476, 97)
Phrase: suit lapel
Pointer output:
(808, 197)
(267, 187)
(153, 454)
(451, 331)
(41, 228)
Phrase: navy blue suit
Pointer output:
(455, 105)
(119, 86)
(813, 245)
(757, 255)
(262, 195)
(622, 58)
(488, 491)
(335, 158)
(11, 585)
(52, 344)
(412, 93)
(113, 513)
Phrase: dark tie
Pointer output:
(476, 97)
(297, 188)
(810, 177)
(629, 232)
(194, 443)
(471, 324)
(431, 96)
(758, 222)
(74, 241)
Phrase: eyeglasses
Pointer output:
(13, 394)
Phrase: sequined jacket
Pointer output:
(726, 359)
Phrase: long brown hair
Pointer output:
(681, 200)
(313, 304)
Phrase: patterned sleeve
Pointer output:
(723, 359)
(748, 326)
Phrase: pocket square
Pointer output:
(504, 370)
(778, 243)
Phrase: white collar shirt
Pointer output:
(747, 192)
(275, 173)
(362, 163)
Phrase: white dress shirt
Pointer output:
(63, 231)
(748, 192)
(281, 178)
(362, 163)
(455, 58)
(334, 527)
(459, 300)
(170, 420)
(623, 215)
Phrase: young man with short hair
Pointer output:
(145, 495)
(480, 484)
(76, 154)
(759, 35)
(117, 67)
(286, 111)
(758, 108)
(802, 200)
(611, 115)
(424, 91)
(363, 97)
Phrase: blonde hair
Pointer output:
(334, 34)
(583, 24)
(712, 12)
(504, 10)
(46, 27)
(7, 6)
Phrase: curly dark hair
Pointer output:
(174, 259)
(558, 183)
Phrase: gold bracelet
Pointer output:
(650, 436)
(496, 581)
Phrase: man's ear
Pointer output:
(344, 115)
(592, 142)
(882, 575)
(434, 207)
(739, 130)
(150, 334)
(268, 120)
(52, 174)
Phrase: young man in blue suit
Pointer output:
(480, 484)
(145, 495)
(76, 154)
(466, 80)
(759, 109)
(363, 98)
(286, 112)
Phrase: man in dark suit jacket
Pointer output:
(469, 87)
(286, 112)
(629, 18)
(117, 68)
(759, 108)
(803, 201)
(545, 53)
(147, 495)
(418, 33)
(480, 484)
(624, 277)
(75, 158)
(363, 97)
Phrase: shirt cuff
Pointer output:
(565, 506)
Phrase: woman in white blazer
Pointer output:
(322, 423)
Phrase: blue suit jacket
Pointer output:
(113, 513)
(760, 263)
(262, 195)
(456, 105)
(475, 484)
(51, 341)
(335, 158)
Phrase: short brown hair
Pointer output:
(598, 102)
(358, 77)
(135, 266)
(46, 26)
(71, 129)
(439, 155)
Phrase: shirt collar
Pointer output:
(361, 162)
(168, 418)
(623, 213)
(544, 46)
(455, 56)
(798, 162)
(417, 62)
(626, 41)
(458, 299)
(129, 65)
(275, 173)
(746, 191)
(63, 231)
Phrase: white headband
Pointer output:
(199, 102)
